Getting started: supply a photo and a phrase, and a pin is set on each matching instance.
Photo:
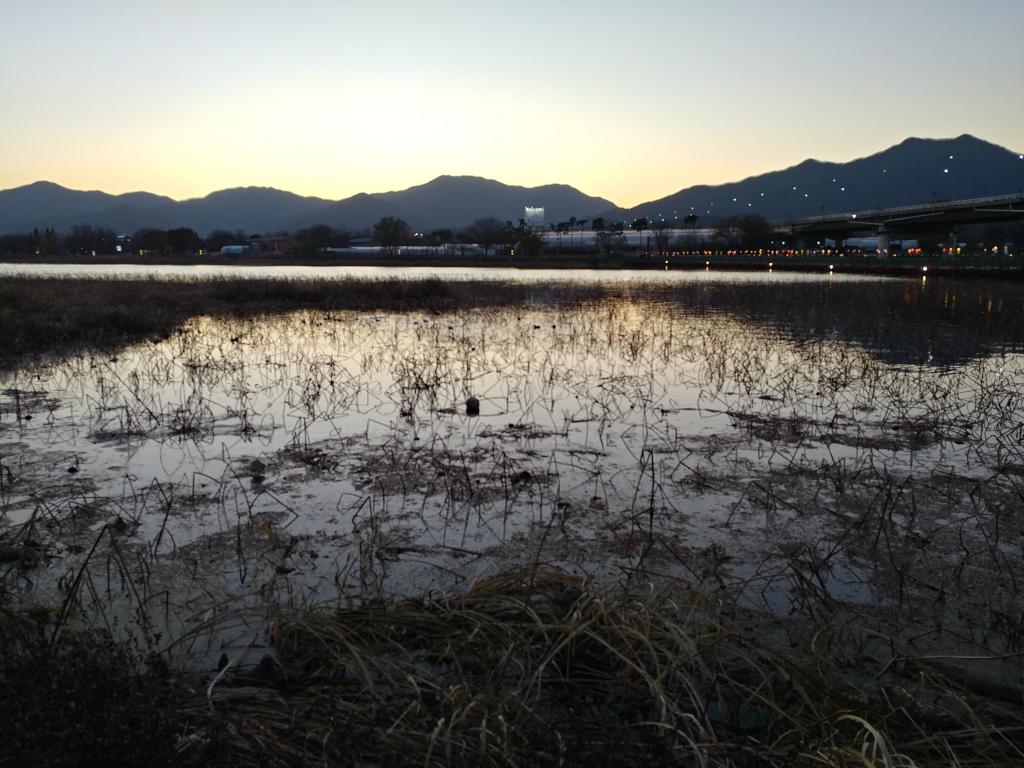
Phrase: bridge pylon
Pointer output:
(883, 249)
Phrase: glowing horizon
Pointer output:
(332, 99)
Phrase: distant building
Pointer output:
(534, 217)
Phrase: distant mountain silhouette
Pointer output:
(24, 207)
(453, 201)
(448, 201)
(354, 212)
(914, 171)
(253, 209)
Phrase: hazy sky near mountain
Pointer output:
(627, 101)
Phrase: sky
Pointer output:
(628, 101)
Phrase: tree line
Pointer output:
(390, 233)
(87, 240)
(487, 232)
(657, 237)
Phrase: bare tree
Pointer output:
(530, 245)
(391, 232)
(691, 222)
(662, 237)
(638, 226)
(489, 232)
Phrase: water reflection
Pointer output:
(714, 429)
(901, 321)
(209, 271)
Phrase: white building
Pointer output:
(534, 217)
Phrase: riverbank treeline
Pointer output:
(486, 237)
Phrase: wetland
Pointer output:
(715, 518)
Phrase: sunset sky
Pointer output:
(627, 101)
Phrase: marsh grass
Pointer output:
(534, 666)
(844, 448)
(85, 700)
(39, 314)
(60, 314)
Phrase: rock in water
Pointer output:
(472, 406)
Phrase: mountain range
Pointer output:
(914, 171)
(447, 201)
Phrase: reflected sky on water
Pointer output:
(710, 428)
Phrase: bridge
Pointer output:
(909, 219)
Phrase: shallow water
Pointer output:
(798, 441)
(199, 271)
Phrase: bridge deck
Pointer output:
(954, 212)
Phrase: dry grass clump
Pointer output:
(535, 667)
(81, 699)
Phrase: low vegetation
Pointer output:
(41, 314)
(709, 522)
(528, 667)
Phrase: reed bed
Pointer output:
(534, 666)
(60, 314)
(42, 314)
(710, 523)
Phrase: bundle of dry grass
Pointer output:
(530, 667)
(534, 667)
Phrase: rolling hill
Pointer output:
(448, 201)
(914, 171)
